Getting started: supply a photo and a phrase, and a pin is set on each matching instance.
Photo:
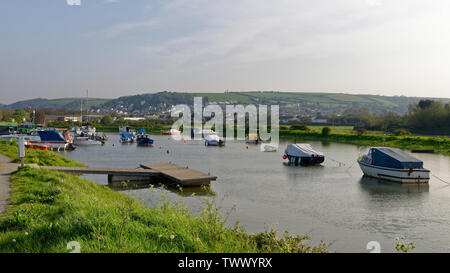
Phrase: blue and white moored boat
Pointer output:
(127, 138)
(50, 138)
(143, 139)
(394, 165)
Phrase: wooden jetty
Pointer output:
(180, 175)
(165, 173)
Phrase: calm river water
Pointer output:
(331, 203)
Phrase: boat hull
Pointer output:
(169, 133)
(145, 143)
(306, 161)
(52, 145)
(144, 140)
(36, 141)
(85, 141)
(269, 148)
(404, 176)
(214, 143)
(211, 143)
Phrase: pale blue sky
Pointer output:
(114, 48)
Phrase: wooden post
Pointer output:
(21, 150)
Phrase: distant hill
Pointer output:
(64, 103)
(293, 102)
(149, 101)
(290, 102)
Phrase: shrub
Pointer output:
(301, 127)
(361, 131)
(326, 131)
(402, 132)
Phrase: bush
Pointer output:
(107, 120)
(301, 127)
(361, 131)
(326, 131)
(402, 132)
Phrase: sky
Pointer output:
(61, 48)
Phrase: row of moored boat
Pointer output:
(381, 162)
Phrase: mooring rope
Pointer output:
(337, 161)
(440, 179)
(353, 164)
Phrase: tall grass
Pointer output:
(49, 209)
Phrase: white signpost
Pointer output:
(21, 150)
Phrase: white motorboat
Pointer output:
(213, 140)
(127, 130)
(394, 165)
(303, 154)
(83, 130)
(86, 141)
(269, 148)
(172, 132)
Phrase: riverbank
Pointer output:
(47, 210)
(6, 167)
(438, 144)
(342, 134)
(39, 157)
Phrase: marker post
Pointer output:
(21, 150)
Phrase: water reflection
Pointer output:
(326, 143)
(333, 200)
(376, 186)
(181, 191)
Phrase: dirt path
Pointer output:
(6, 167)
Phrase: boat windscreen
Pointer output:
(50, 135)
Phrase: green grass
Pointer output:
(438, 144)
(49, 209)
(42, 158)
(334, 129)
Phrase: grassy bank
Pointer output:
(439, 144)
(47, 210)
(42, 158)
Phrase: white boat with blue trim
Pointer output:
(394, 165)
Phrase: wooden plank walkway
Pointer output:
(180, 175)
(109, 171)
(163, 172)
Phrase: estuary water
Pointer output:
(333, 203)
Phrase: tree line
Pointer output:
(422, 116)
(426, 115)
